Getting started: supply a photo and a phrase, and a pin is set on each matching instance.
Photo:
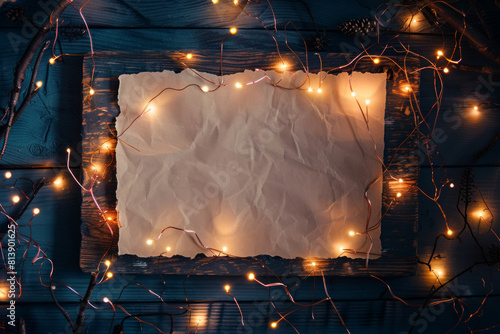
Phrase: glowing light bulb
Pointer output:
(476, 108)
(400, 180)
(320, 90)
(353, 94)
(438, 272)
(452, 185)
(224, 249)
(52, 61)
(440, 53)
(205, 89)
(407, 88)
(189, 56)
(238, 85)
(227, 288)
(376, 61)
(309, 89)
(58, 182)
(149, 242)
(105, 299)
(352, 233)
(414, 21)
(274, 324)
(236, 2)
(107, 263)
(4, 292)
(251, 276)
(215, 1)
(8, 175)
(283, 66)
(398, 194)
(16, 199)
(449, 232)
(68, 150)
(36, 211)
(480, 214)
(446, 70)
(367, 102)
(151, 109)
(109, 274)
(233, 30)
(91, 91)
(313, 264)
(168, 249)
(39, 84)
(109, 219)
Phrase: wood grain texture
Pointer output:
(53, 122)
(398, 228)
(223, 317)
(203, 13)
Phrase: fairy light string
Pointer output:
(419, 119)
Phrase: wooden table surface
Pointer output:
(53, 122)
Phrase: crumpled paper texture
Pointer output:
(259, 170)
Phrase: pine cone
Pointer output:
(357, 26)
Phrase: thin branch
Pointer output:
(21, 326)
(63, 311)
(473, 68)
(32, 92)
(32, 197)
(78, 329)
(457, 22)
(480, 18)
(23, 64)
(4, 224)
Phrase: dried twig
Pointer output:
(5, 223)
(456, 21)
(32, 92)
(78, 329)
(63, 311)
(23, 64)
(480, 18)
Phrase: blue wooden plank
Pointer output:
(460, 131)
(203, 13)
(223, 317)
(57, 227)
